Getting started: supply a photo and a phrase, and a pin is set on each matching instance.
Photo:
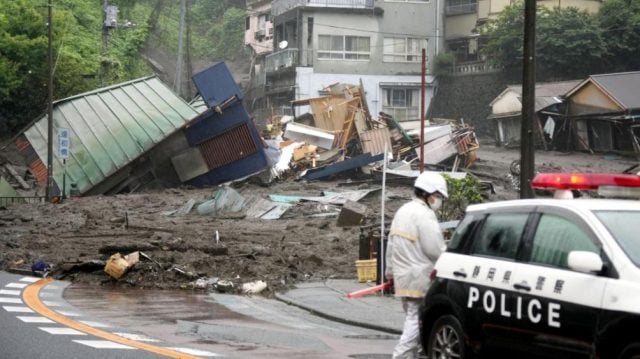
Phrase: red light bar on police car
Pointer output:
(584, 181)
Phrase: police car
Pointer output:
(543, 277)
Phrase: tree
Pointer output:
(569, 42)
(620, 22)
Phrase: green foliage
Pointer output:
(443, 62)
(462, 193)
(77, 50)
(620, 22)
(569, 42)
(82, 62)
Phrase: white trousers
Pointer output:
(407, 348)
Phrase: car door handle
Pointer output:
(460, 273)
(522, 286)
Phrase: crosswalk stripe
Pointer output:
(9, 292)
(197, 352)
(61, 331)
(103, 344)
(10, 300)
(36, 319)
(30, 279)
(14, 309)
(16, 285)
(137, 337)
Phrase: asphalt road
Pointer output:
(25, 333)
(38, 322)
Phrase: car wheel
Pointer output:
(631, 351)
(446, 339)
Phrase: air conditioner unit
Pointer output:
(260, 34)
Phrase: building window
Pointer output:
(459, 7)
(403, 49)
(343, 47)
(403, 103)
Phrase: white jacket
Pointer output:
(415, 243)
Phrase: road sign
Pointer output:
(63, 143)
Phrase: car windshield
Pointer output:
(623, 227)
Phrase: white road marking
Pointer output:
(9, 292)
(137, 337)
(94, 324)
(61, 331)
(30, 279)
(16, 285)
(103, 344)
(36, 320)
(50, 303)
(17, 309)
(195, 352)
(68, 314)
(10, 300)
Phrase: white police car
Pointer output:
(544, 277)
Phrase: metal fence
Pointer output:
(5, 201)
(279, 7)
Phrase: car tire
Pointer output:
(631, 351)
(446, 339)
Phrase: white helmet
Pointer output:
(431, 182)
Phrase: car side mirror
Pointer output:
(584, 261)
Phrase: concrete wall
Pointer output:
(468, 97)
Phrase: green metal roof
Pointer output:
(109, 128)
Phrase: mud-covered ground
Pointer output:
(77, 237)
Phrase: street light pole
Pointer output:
(50, 103)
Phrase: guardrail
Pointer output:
(4, 201)
(279, 7)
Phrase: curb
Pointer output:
(356, 323)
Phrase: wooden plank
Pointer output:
(17, 177)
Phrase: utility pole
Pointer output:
(177, 86)
(49, 189)
(527, 159)
(422, 109)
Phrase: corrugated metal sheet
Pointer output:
(229, 147)
(229, 142)
(373, 141)
(110, 127)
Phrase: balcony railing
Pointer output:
(279, 7)
(281, 60)
(462, 9)
(472, 67)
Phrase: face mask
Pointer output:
(435, 202)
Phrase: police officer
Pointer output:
(415, 243)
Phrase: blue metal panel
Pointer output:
(210, 125)
(216, 85)
(352, 163)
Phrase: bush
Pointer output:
(462, 193)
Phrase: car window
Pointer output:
(623, 226)
(462, 232)
(500, 235)
(555, 237)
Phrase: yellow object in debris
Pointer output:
(367, 270)
(304, 152)
(116, 266)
